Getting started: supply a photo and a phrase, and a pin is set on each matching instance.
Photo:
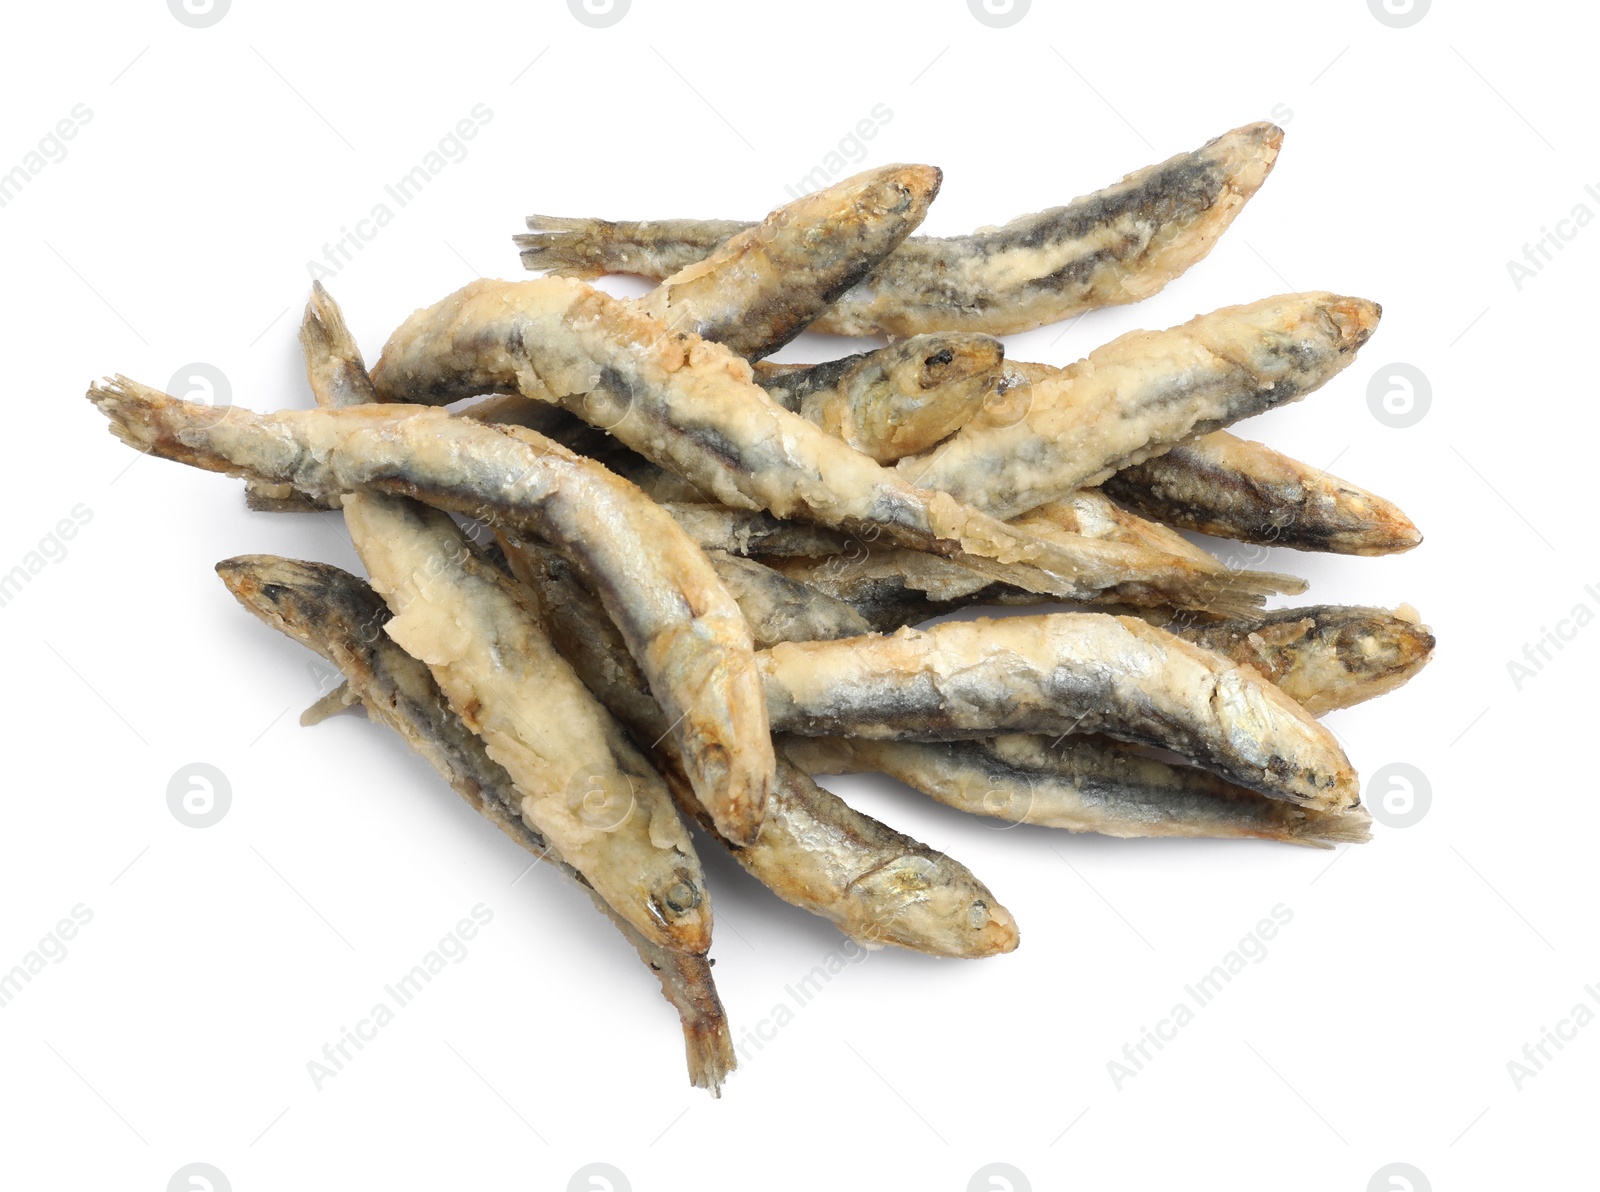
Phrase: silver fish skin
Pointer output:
(1142, 394)
(763, 286)
(580, 780)
(1119, 245)
(898, 400)
(1142, 564)
(1061, 673)
(1079, 784)
(876, 885)
(656, 584)
(339, 617)
(691, 407)
(1230, 487)
(1324, 657)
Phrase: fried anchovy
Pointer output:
(1141, 563)
(1234, 488)
(341, 618)
(582, 782)
(656, 584)
(1324, 657)
(691, 407)
(1141, 394)
(1119, 245)
(763, 286)
(1080, 784)
(876, 579)
(874, 884)
(780, 609)
(1061, 673)
(898, 400)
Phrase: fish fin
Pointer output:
(569, 247)
(336, 701)
(279, 498)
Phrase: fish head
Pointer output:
(931, 904)
(928, 388)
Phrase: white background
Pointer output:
(178, 229)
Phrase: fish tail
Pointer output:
(1324, 829)
(569, 247)
(132, 408)
(1240, 593)
(708, 1047)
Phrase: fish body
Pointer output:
(1230, 487)
(581, 782)
(1142, 394)
(1079, 784)
(1118, 245)
(1055, 674)
(764, 285)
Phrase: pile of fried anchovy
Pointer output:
(653, 578)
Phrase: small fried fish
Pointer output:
(1121, 244)
(1061, 673)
